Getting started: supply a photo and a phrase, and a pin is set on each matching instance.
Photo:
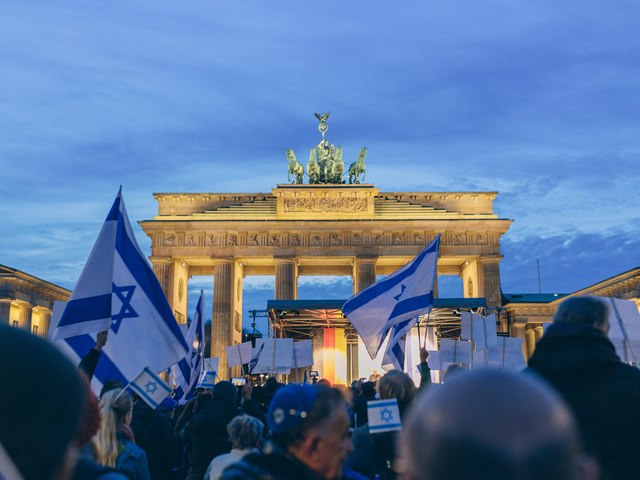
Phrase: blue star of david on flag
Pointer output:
(124, 294)
(403, 288)
(386, 415)
(151, 387)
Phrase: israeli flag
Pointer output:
(187, 371)
(150, 388)
(402, 296)
(383, 415)
(142, 329)
(395, 353)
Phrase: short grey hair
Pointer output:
(583, 310)
(245, 432)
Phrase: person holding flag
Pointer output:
(118, 292)
(391, 307)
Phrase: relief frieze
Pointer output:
(325, 205)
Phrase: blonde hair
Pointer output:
(114, 407)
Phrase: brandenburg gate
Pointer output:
(326, 227)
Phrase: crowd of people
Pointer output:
(573, 414)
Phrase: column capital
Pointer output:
(160, 260)
(285, 260)
(490, 259)
(223, 260)
(366, 259)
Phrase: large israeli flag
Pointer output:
(142, 329)
(187, 371)
(402, 296)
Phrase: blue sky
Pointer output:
(537, 100)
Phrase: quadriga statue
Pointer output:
(357, 168)
(295, 168)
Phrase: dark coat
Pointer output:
(274, 465)
(159, 441)
(604, 394)
(207, 432)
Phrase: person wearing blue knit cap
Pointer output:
(310, 437)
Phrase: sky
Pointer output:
(539, 101)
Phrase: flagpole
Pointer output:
(426, 329)
(624, 334)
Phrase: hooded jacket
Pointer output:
(208, 427)
(603, 393)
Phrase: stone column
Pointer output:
(222, 313)
(364, 273)
(470, 278)
(162, 268)
(45, 322)
(286, 278)
(5, 311)
(24, 317)
(490, 280)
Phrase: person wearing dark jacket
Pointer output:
(207, 430)
(310, 437)
(158, 440)
(577, 358)
(375, 454)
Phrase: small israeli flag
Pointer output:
(402, 296)
(384, 415)
(208, 379)
(150, 388)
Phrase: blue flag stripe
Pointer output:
(146, 279)
(411, 305)
(388, 283)
(106, 369)
(115, 210)
(161, 383)
(142, 393)
(86, 310)
(374, 428)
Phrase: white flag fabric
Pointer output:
(150, 388)
(302, 354)
(239, 354)
(403, 295)
(274, 355)
(143, 331)
(624, 328)
(455, 351)
(482, 330)
(212, 363)
(208, 379)
(383, 415)
(507, 355)
(187, 371)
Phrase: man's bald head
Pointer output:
(494, 425)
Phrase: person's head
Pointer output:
(487, 424)
(397, 384)
(116, 410)
(224, 391)
(109, 385)
(245, 432)
(585, 311)
(40, 406)
(369, 390)
(312, 424)
(453, 370)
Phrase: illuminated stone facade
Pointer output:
(353, 230)
(27, 301)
